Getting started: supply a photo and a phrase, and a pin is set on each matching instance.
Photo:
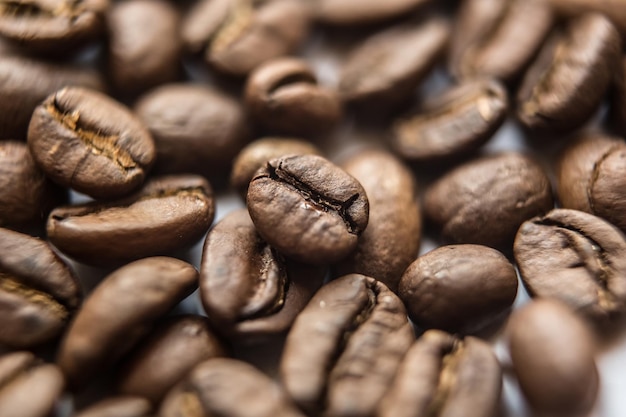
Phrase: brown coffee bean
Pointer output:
(553, 355)
(486, 200)
(283, 96)
(144, 44)
(343, 350)
(591, 177)
(119, 312)
(453, 123)
(196, 128)
(165, 357)
(167, 214)
(118, 407)
(259, 152)
(569, 78)
(575, 257)
(459, 288)
(230, 388)
(85, 140)
(52, 26)
(387, 67)
(27, 195)
(28, 387)
(248, 290)
(496, 38)
(25, 82)
(445, 376)
(359, 12)
(237, 36)
(38, 291)
(308, 208)
(391, 240)
(613, 9)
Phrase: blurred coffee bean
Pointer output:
(359, 12)
(118, 407)
(613, 9)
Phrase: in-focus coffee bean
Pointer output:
(575, 257)
(39, 292)
(343, 350)
(168, 213)
(308, 208)
(118, 407)
(87, 141)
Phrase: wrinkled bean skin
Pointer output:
(118, 407)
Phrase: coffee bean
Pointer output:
(227, 387)
(494, 38)
(52, 26)
(283, 96)
(343, 350)
(167, 214)
(453, 123)
(613, 9)
(124, 307)
(577, 258)
(85, 140)
(38, 291)
(118, 407)
(196, 128)
(387, 67)
(25, 82)
(237, 36)
(140, 29)
(445, 376)
(553, 355)
(165, 357)
(486, 200)
(259, 152)
(28, 387)
(569, 78)
(391, 240)
(359, 12)
(248, 290)
(459, 288)
(308, 208)
(27, 195)
(590, 177)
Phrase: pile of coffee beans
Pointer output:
(307, 208)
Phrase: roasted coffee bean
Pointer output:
(613, 9)
(343, 350)
(591, 177)
(259, 152)
(387, 67)
(248, 290)
(283, 96)
(144, 44)
(359, 12)
(442, 375)
(38, 291)
(167, 214)
(486, 200)
(165, 357)
(85, 140)
(28, 387)
(120, 311)
(196, 128)
(391, 240)
(577, 258)
(27, 195)
(25, 82)
(567, 81)
(227, 387)
(238, 35)
(118, 407)
(497, 38)
(453, 123)
(308, 208)
(553, 356)
(459, 288)
(52, 26)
